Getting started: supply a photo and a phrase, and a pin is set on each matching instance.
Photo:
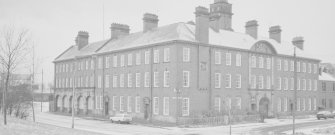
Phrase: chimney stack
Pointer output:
(298, 41)
(118, 30)
(201, 24)
(275, 33)
(82, 39)
(150, 21)
(251, 28)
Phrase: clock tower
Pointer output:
(221, 15)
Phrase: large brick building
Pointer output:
(186, 69)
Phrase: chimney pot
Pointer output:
(275, 33)
(150, 21)
(119, 30)
(298, 41)
(82, 39)
(251, 28)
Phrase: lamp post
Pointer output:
(295, 91)
(298, 42)
(73, 90)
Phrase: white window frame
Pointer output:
(315, 85)
(129, 108)
(166, 55)
(130, 59)
(285, 65)
(261, 62)
(292, 65)
(268, 63)
(238, 81)
(146, 57)
(260, 82)
(114, 81)
(155, 105)
(217, 58)
(99, 81)
(166, 106)
(166, 80)
(130, 80)
(137, 104)
(156, 79)
(115, 61)
(138, 58)
(121, 80)
(217, 104)
(186, 78)
(278, 64)
(122, 61)
(121, 104)
(217, 82)
(279, 83)
(186, 107)
(106, 81)
(253, 61)
(228, 81)
(106, 62)
(146, 79)
(238, 60)
(186, 54)
(228, 59)
(137, 80)
(156, 56)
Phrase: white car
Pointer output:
(126, 118)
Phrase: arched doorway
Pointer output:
(64, 105)
(146, 104)
(89, 105)
(264, 105)
(57, 103)
(106, 105)
(70, 104)
(80, 105)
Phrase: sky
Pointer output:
(54, 24)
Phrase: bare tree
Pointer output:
(13, 49)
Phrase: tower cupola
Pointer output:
(221, 15)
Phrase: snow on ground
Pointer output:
(316, 130)
(23, 127)
(107, 127)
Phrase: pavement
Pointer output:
(270, 126)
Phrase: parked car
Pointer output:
(121, 118)
(325, 115)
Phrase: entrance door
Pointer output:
(264, 107)
(106, 108)
(146, 111)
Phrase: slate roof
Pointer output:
(326, 77)
(178, 31)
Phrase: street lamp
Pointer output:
(297, 43)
